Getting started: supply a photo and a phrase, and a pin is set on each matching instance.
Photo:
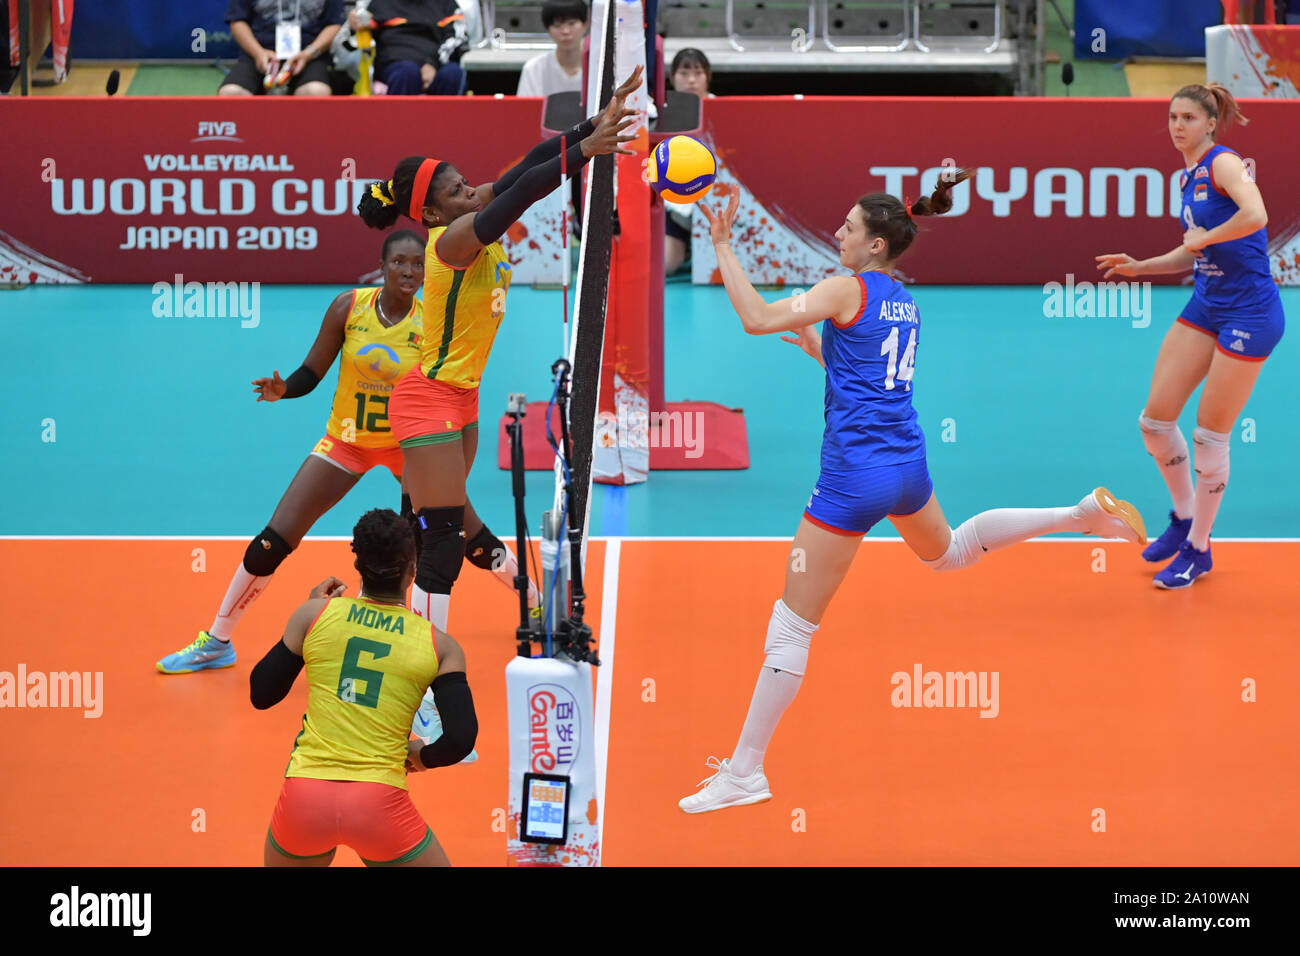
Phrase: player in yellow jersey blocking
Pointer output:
(368, 662)
(376, 335)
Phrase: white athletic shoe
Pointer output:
(1111, 517)
(725, 789)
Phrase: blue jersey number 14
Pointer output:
(903, 369)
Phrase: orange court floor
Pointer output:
(1170, 718)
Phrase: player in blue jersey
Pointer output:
(872, 461)
(1222, 336)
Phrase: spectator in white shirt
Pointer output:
(560, 70)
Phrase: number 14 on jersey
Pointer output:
(903, 369)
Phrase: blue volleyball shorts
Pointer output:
(1249, 334)
(851, 503)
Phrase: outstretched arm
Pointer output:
(461, 241)
(318, 361)
(1121, 263)
(838, 297)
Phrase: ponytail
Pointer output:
(940, 201)
(1217, 102)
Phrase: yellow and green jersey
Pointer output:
(367, 665)
(372, 360)
(466, 307)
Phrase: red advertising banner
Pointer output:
(139, 189)
(1061, 181)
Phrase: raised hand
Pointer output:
(608, 136)
(720, 223)
(269, 389)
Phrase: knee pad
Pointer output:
(442, 548)
(485, 550)
(265, 553)
(1211, 457)
(964, 549)
(1164, 441)
(788, 638)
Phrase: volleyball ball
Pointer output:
(682, 169)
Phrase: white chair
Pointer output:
(760, 25)
(949, 25)
(883, 26)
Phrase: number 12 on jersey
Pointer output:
(903, 368)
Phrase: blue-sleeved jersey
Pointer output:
(1233, 274)
(870, 420)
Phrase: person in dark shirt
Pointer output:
(418, 45)
(253, 25)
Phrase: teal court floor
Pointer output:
(156, 431)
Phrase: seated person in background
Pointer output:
(418, 46)
(690, 73)
(559, 71)
(253, 25)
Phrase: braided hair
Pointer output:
(385, 550)
(888, 218)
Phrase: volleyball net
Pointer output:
(556, 781)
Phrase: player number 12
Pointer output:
(905, 367)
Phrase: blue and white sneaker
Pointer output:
(1186, 568)
(427, 725)
(205, 653)
(1166, 546)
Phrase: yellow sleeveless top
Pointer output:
(367, 667)
(466, 307)
(372, 360)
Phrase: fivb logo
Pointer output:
(210, 132)
(75, 909)
(1102, 300)
(208, 300)
(554, 728)
(946, 689)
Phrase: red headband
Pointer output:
(419, 192)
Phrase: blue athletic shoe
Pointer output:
(1166, 546)
(206, 652)
(427, 725)
(1186, 568)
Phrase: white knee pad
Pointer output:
(788, 639)
(1211, 457)
(964, 549)
(1164, 441)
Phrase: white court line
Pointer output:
(605, 677)
(1055, 539)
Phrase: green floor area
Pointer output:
(198, 80)
(1091, 77)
